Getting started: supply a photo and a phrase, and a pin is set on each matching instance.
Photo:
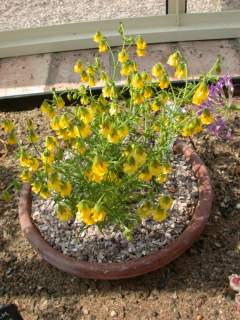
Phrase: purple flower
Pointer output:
(219, 99)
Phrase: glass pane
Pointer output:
(198, 6)
(35, 13)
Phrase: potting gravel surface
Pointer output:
(110, 245)
(193, 287)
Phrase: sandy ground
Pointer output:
(194, 287)
(18, 14)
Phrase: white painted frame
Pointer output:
(176, 26)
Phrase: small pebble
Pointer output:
(113, 313)
(110, 245)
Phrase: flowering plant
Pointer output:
(109, 154)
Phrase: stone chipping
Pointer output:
(110, 245)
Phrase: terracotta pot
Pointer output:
(136, 267)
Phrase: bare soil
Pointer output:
(193, 287)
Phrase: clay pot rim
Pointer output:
(132, 268)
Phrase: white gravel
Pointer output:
(198, 6)
(20, 14)
(110, 245)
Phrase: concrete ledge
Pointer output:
(39, 73)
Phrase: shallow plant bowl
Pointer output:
(136, 267)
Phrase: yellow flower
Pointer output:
(97, 37)
(164, 82)
(140, 156)
(33, 165)
(90, 70)
(105, 129)
(64, 212)
(166, 168)
(159, 214)
(54, 182)
(140, 43)
(103, 47)
(36, 186)
(55, 123)
(85, 114)
(156, 105)
(137, 81)
(60, 103)
(84, 100)
(122, 56)
(206, 117)
(197, 126)
(114, 136)
(7, 126)
(174, 59)
(130, 166)
(98, 213)
(163, 97)
(156, 127)
(140, 52)
(24, 159)
(79, 146)
(145, 210)
(157, 70)
(138, 98)
(99, 167)
(194, 127)
(12, 139)
(127, 68)
(44, 193)
(26, 176)
(93, 177)
(165, 202)
(200, 94)
(122, 131)
(47, 157)
(104, 76)
(128, 151)
(146, 76)
(78, 67)
(50, 143)
(109, 91)
(186, 132)
(114, 108)
(84, 213)
(75, 131)
(45, 107)
(147, 93)
(145, 175)
(85, 130)
(65, 134)
(181, 71)
(66, 189)
(33, 137)
(155, 168)
(48, 169)
(91, 81)
(161, 178)
(84, 76)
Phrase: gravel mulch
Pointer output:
(110, 245)
(193, 287)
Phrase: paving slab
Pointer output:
(39, 73)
